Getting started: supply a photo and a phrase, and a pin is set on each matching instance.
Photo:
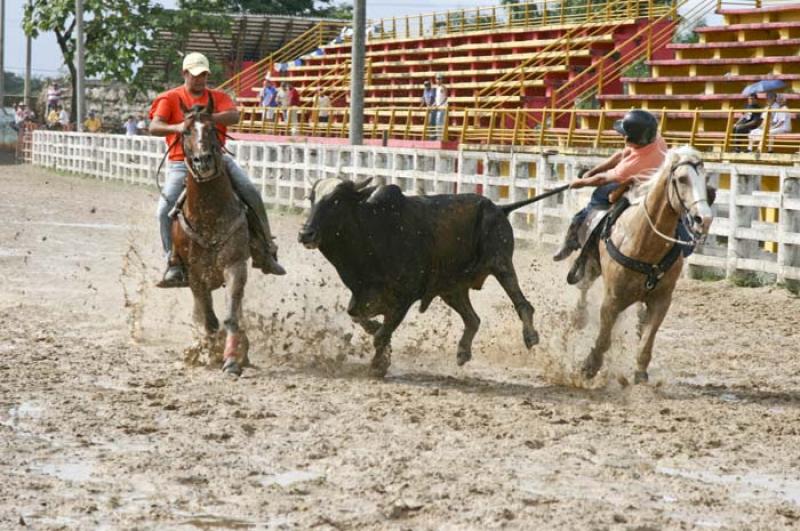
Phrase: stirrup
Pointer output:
(174, 277)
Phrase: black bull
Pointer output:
(391, 250)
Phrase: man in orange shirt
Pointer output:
(167, 120)
(643, 154)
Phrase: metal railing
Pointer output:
(590, 129)
(308, 41)
(523, 14)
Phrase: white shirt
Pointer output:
(441, 96)
(130, 128)
(781, 121)
(63, 117)
(323, 103)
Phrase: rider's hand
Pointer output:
(577, 184)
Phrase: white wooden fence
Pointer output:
(757, 216)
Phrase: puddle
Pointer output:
(211, 521)
(289, 478)
(19, 412)
(67, 471)
(744, 486)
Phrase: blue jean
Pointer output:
(175, 183)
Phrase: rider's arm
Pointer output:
(604, 166)
(159, 127)
(229, 117)
(594, 180)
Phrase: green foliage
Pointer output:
(307, 8)
(688, 35)
(637, 69)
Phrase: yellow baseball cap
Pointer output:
(196, 63)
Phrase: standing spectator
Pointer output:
(747, 122)
(428, 100)
(54, 94)
(780, 121)
(323, 106)
(130, 126)
(440, 103)
(63, 119)
(93, 123)
(19, 116)
(269, 99)
(294, 101)
(141, 125)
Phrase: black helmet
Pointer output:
(638, 127)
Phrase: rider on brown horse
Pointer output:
(643, 154)
(168, 120)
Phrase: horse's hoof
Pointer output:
(231, 368)
(640, 377)
(463, 356)
(589, 370)
(579, 320)
(380, 366)
(531, 338)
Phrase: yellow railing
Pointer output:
(523, 14)
(578, 129)
(638, 46)
(559, 51)
(308, 41)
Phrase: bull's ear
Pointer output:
(711, 194)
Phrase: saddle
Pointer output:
(598, 226)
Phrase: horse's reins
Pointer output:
(684, 208)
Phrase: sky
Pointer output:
(47, 62)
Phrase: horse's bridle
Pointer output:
(683, 212)
(217, 149)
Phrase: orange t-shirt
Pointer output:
(639, 163)
(167, 106)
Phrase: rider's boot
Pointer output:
(570, 241)
(174, 277)
(265, 257)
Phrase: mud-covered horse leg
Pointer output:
(507, 277)
(235, 279)
(656, 311)
(383, 338)
(609, 312)
(459, 301)
(580, 315)
(205, 321)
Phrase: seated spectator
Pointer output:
(52, 118)
(63, 119)
(19, 116)
(269, 99)
(130, 126)
(747, 122)
(282, 99)
(93, 123)
(780, 122)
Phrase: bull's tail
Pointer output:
(507, 209)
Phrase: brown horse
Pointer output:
(644, 235)
(211, 236)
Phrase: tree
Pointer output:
(116, 33)
(307, 8)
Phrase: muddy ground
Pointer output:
(102, 424)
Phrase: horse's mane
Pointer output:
(647, 181)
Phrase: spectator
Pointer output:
(269, 99)
(428, 100)
(130, 126)
(780, 121)
(282, 99)
(294, 101)
(93, 123)
(54, 94)
(141, 125)
(19, 116)
(440, 103)
(52, 118)
(323, 106)
(63, 119)
(747, 122)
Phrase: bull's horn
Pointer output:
(363, 184)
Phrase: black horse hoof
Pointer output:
(531, 338)
(589, 371)
(380, 366)
(463, 356)
(640, 377)
(231, 367)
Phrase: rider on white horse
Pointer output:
(643, 154)
(168, 120)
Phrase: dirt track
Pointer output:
(102, 425)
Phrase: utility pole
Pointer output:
(26, 99)
(357, 74)
(79, 63)
(2, 54)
